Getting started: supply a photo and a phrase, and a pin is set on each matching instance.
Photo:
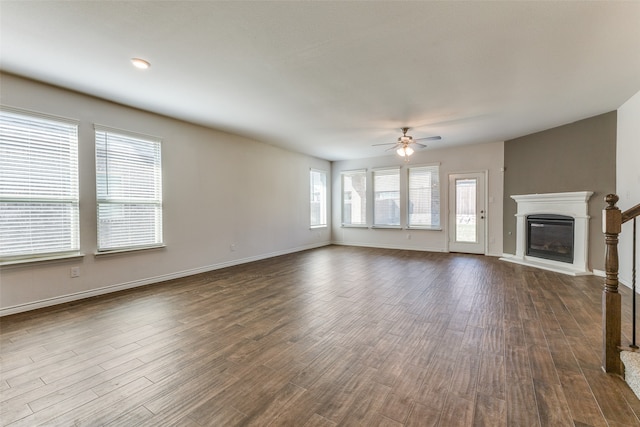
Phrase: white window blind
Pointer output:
(354, 198)
(129, 191)
(318, 204)
(386, 203)
(424, 197)
(38, 185)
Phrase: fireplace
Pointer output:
(552, 232)
(550, 237)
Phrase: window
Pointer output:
(424, 197)
(318, 204)
(354, 198)
(129, 191)
(386, 191)
(38, 185)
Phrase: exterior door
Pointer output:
(467, 213)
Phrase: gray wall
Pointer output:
(580, 156)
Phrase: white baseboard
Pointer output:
(402, 248)
(147, 281)
(398, 247)
(621, 280)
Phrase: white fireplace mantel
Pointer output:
(573, 204)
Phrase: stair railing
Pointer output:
(612, 220)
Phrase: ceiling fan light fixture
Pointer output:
(404, 151)
(403, 144)
(140, 63)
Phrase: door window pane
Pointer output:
(466, 210)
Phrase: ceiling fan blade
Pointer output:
(391, 148)
(386, 143)
(418, 144)
(428, 138)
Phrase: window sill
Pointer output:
(353, 226)
(127, 250)
(315, 227)
(425, 228)
(388, 227)
(33, 260)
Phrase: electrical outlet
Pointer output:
(75, 271)
(232, 247)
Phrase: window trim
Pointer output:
(326, 199)
(125, 132)
(40, 115)
(374, 224)
(128, 250)
(365, 224)
(58, 256)
(160, 203)
(72, 252)
(408, 216)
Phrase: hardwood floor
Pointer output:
(333, 336)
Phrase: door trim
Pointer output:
(451, 206)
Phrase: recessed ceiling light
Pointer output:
(140, 63)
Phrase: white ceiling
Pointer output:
(330, 79)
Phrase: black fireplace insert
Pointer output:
(550, 237)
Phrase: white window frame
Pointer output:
(376, 218)
(39, 190)
(113, 194)
(321, 194)
(434, 170)
(343, 175)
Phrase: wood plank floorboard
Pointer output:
(327, 337)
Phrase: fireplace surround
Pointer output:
(554, 209)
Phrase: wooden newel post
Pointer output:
(611, 300)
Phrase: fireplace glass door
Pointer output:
(550, 237)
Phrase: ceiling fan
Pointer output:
(404, 143)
